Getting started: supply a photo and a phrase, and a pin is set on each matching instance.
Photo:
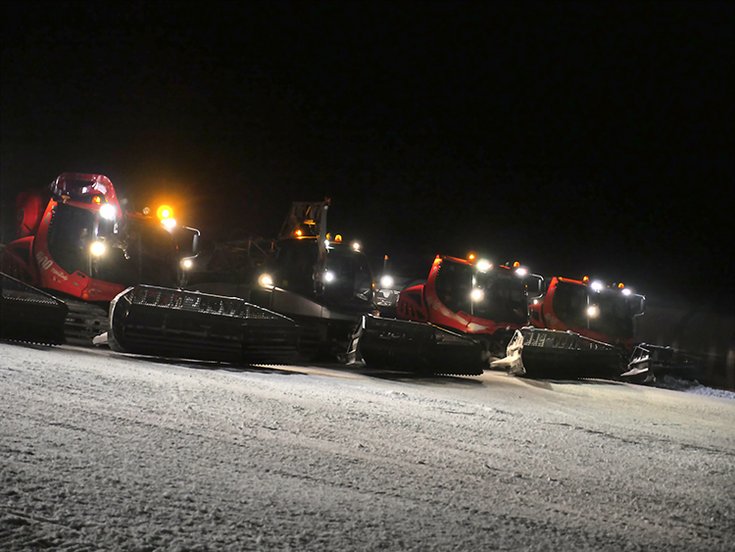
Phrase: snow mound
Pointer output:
(689, 386)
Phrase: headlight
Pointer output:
(483, 265)
(521, 272)
(265, 280)
(97, 248)
(186, 264)
(108, 212)
(386, 281)
(169, 224)
(597, 285)
(329, 277)
(477, 295)
(626, 292)
(593, 311)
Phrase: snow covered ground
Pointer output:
(106, 452)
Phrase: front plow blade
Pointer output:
(29, 314)
(650, 362)
(420, 348)
(190, 324)
(539, 353)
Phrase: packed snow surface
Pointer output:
(101, 451)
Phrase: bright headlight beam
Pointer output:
(108, 212)
(477, 295)
(265, 280)
(593, 311)
(329, 277)
(386, 281)
(186, 264)
(169, 224)
(596, 286)
(97, 248)
(483, 265)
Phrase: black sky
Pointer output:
(587, 137)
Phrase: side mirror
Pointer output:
(637, 304)
(534, 286)
(187, 240)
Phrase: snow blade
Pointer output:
(535, 352)
(649, 362)
(29, 314)
(190, 324)
(419, 347)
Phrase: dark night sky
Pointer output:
(580, 138)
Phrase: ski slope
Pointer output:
(102, 451)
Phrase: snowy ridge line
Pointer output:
(128, 421)
(677, 384)
(658, 438)
(17, 532)
(9, 414)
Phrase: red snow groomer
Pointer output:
(60, 235)
(606, 314)
(471, 315)
(454, 323)
(77, 245)
(580, 328)
(591, 309)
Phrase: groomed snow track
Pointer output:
(106, 451)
